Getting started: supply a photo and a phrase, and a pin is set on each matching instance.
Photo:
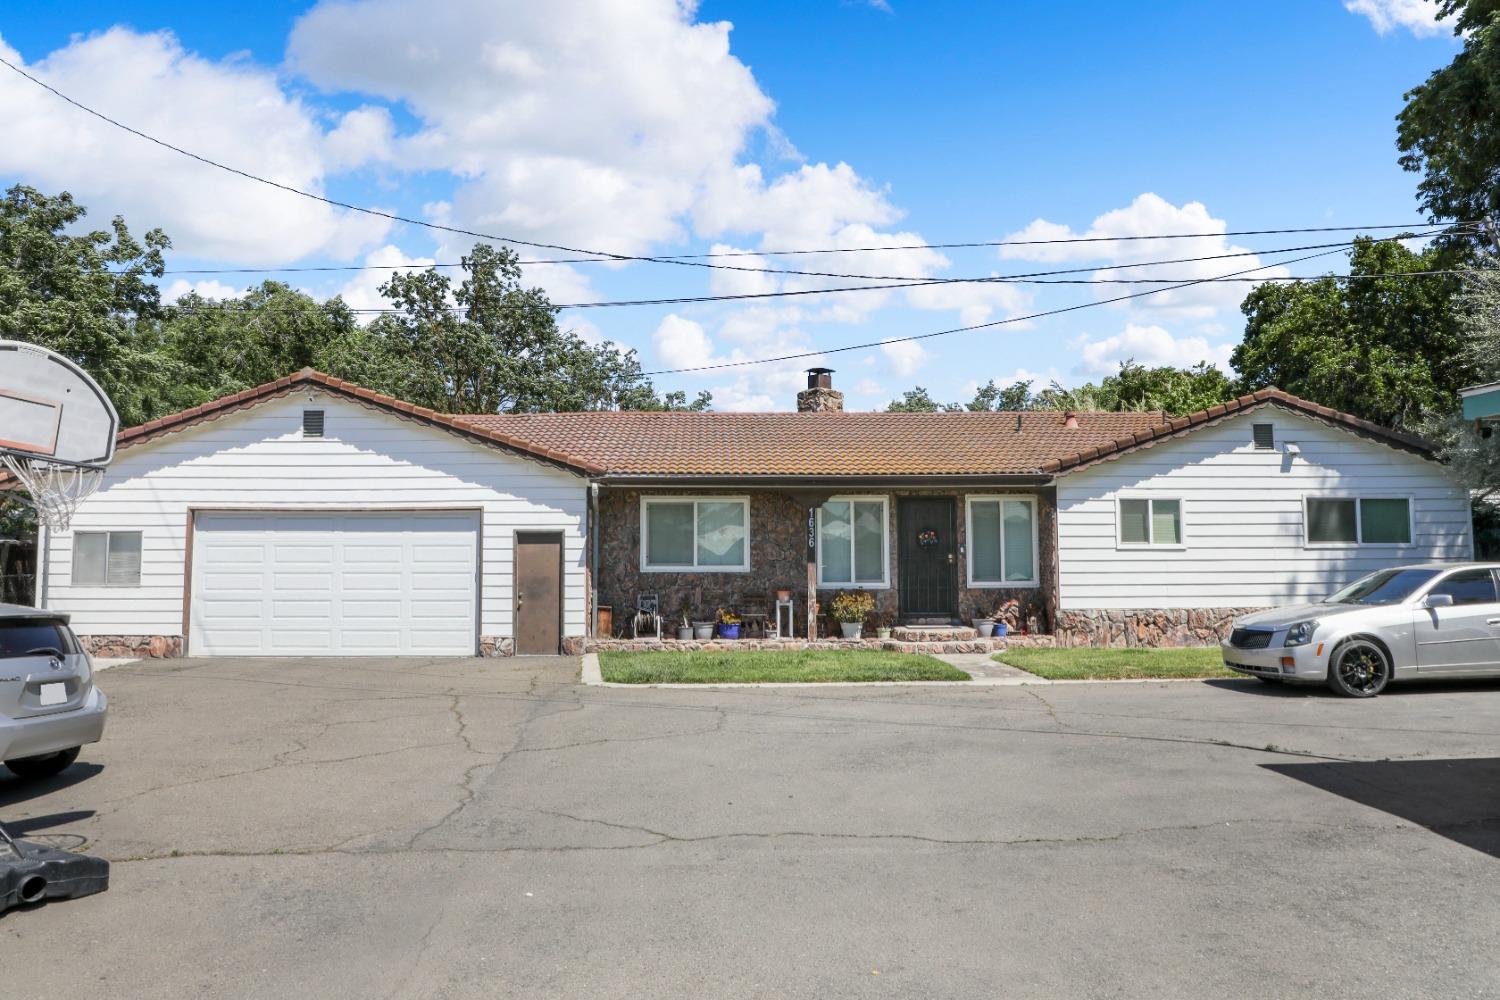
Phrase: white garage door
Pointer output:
(334, 584)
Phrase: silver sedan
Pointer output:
(49, 704)
(1430, 620)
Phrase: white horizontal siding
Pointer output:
(1242, 517)
(368, 460)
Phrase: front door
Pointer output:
(538, 592)
(927, 559)
(1465, 636)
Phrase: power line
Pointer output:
(682, 260)
(790, 253)
(1036, 278)
(978, 326)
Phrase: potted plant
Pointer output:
(883, 628)
(729, 624)
(703, 630)
(783, 594)
(684, 624)
(850, 608)
(1003, 615)
(985, 627)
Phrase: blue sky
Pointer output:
(649, 129)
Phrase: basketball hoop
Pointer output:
(57, 429)
(54, 490)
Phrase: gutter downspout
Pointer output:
(43, 557)
(593, 625)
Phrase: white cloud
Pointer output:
(975, 303)
(208, 289)
(232, 111)
(1417, 16)
(363, 290)
(682, 343)
(1151, 346)
(904, 356)
(1153, 217)
(594, 123)
(364, 135)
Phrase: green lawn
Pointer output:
(1117, 664)
(762, 666)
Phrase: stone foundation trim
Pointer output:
(1145, 627)
(132, 646)
(504, 645)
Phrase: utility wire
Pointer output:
(1037, 278)
(684, 260)
(979, 326)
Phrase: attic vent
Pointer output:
(1265, 437)
(312, 423)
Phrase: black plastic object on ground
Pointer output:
(34, 873)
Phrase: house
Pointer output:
(311, 516)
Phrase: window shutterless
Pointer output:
(852, 542)
(1002, 541)
(1150, 521)
(711, 534)
(107, 558)
(1358, 520)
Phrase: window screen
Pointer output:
(1385, 521)
(107, 558)
(312, 423)
(1265, 436)
(1331, 521)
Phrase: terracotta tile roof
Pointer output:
(817, 444)
(1177, 426)
(283, 386)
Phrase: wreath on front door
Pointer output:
(927, 538)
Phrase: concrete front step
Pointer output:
(934, 633)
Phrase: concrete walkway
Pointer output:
(982, 668)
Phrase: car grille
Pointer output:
(1250, 638)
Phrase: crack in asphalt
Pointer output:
(661, 837)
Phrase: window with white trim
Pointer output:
(706, 534)
(1001, 541)
(107, 558)
(853, 543)
(1150, 521)
(1358, 520)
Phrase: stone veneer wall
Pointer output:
(1145, 626)
(778, 560)
(119, 646)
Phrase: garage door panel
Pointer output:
(331, 583)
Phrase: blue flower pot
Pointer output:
(1001, 628)
(729, 631)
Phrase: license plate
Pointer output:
(54, 694)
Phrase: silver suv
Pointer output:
(49, 706)
(1438, 620)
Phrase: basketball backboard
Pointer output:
(51, 411)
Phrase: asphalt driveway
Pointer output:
(463, 828)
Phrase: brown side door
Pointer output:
(538, 592)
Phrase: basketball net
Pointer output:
(55, 490)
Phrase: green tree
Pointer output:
(1449, 130)
(88, 295)
(1473, 452)
(916, 400)
(490, 346)
(274, 330)
(1133, 387)
(1383, 348)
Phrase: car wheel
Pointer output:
(1359, 669)
(44, 766)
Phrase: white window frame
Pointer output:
(648, 567)
(1150, 545)
(109, 537)
(885, 543)
(1036, 551)
(1359, 521)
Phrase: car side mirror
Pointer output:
(1437, 601)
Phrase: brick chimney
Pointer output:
(820, 396)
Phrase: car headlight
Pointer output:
(1300, 634)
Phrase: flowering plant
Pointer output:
(927, 538)
(1007, 610)
(728, 617)
(851, 605)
